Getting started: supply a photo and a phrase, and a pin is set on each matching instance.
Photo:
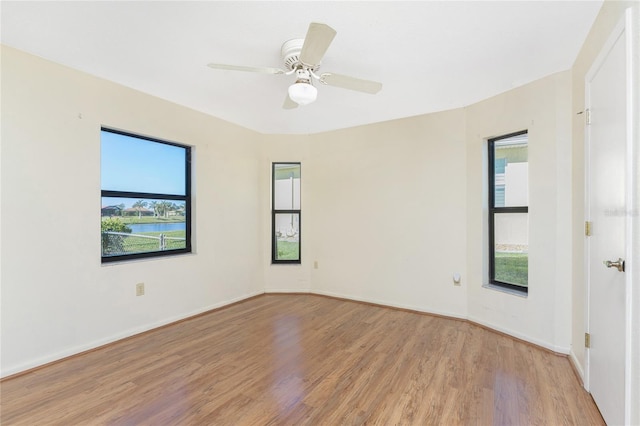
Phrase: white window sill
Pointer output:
(505, 290)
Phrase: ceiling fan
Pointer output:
(302, 57)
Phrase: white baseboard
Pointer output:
(386, 303)
(555, 348)
(573, 359)
(37, 362)
(286, 290)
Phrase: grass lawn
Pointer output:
(135, 244)
(512, 268)
(288, 250)
(153, 245)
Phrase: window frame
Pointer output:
(154, 196)
(275, 212)
(493, 210)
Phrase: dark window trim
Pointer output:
(493, 210)
(145, 195)
(275, 212)
(146, 138)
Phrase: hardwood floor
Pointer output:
(304, 359)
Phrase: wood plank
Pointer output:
(305, 359)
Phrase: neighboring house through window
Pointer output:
(285, 213)
(509, 211)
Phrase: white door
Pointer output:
(607, 144)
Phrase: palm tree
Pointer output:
(154, 206)
(139, 205)
(164, 207)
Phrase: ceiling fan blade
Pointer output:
(316, 43)
(288, 103)
(351, 83)
(264, 70)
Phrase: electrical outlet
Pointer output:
(140, 289)
(456, 279)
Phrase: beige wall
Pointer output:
(57, 298)
(286, 277)
(389, 210)
(541, 108)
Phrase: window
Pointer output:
(285, 213)
(146, 197)
(509, 211)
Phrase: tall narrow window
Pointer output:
(509, 211)
(146, 197)
(285, 213)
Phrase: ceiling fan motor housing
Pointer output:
(290, 52)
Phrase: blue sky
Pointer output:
(131, 164)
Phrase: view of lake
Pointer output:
(157, 227)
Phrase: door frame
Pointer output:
(625, 28)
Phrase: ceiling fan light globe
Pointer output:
(303, 93)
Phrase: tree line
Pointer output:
(160, 208)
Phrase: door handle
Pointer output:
(618, 264)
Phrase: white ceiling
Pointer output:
(429, 55)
